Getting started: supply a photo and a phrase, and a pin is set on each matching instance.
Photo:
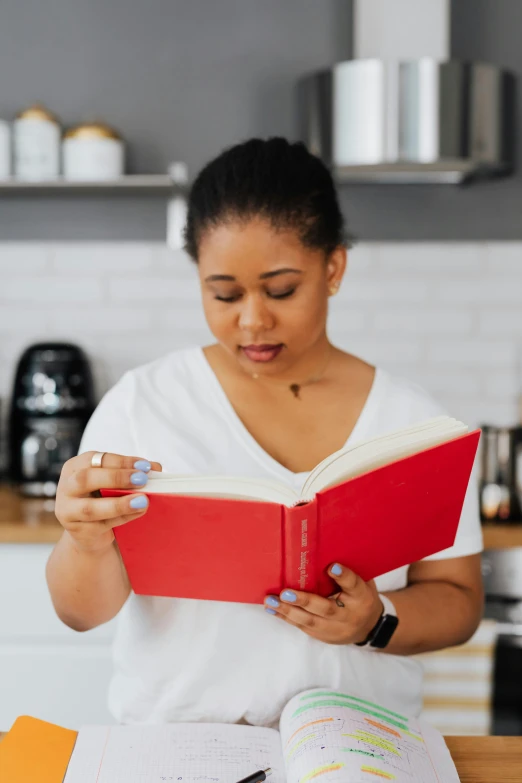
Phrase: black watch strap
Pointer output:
(383, 629)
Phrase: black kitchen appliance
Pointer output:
(502, 573)
(52, 401)
(501, 474)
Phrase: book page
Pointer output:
(232, 487)
(174, 753)
(371, 454)
(342, 739)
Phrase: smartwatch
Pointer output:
(384, 628)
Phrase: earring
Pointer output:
(334, 289)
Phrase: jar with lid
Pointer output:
(36, 144)
(92, 151)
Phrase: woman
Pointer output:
(272, 397)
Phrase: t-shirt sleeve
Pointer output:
(110, 426)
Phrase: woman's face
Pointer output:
(265, 294)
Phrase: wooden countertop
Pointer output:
(32, 521)
(502, 537)
(484, 759)
(487, 759)
(27, 520)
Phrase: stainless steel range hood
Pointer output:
(415, 121)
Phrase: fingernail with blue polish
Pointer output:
(272, 601)
(270, 611)
(139, 502)
(288, 595)
(139, 478)
(336, 569)
(143, 464)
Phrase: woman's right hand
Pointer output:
(88, 519)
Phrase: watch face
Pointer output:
(384, 631)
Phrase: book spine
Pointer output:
(300, 547)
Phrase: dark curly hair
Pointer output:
(272, 179)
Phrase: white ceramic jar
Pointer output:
(36, 145)
(93, 152)
(5, 150)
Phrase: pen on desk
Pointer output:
(256, 777)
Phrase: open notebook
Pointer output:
(322, 735)
(344, 464)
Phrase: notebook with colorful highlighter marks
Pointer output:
(323, 734)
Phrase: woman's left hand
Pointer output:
(344, 618)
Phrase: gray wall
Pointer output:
(180, 78)
(184, 78)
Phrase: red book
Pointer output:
(242, 549)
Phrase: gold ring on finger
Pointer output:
(96, 459)
(338, 601)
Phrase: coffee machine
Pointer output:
(52, 401)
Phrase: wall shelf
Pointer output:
(130, 184)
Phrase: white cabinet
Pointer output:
(46, 669)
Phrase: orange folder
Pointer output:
(35, 751)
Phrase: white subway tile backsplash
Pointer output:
(99, 258)
(167, 289)
(434, 259)
(18, 319)
(103, 320)
(428, 321)
(385, 352)
(17, 257)
(446, 380)
(473, 352)
(507, 323)
(181, 318)
(361, 259)
(50, 289)
(138, 349)
(480, 291)
(476, 412)
(175, 261)
(505, 258)
(445, 315)
(379, 289)
(344, 319)
(502, 383)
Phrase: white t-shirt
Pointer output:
(191, 660)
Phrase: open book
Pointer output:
(373, 507)
(344, 464)
(322, 734)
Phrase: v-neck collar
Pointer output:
(263, 457)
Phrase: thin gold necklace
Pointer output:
(295, 388)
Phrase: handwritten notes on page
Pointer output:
(325, 734)
(174, 753)
(345, 739)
